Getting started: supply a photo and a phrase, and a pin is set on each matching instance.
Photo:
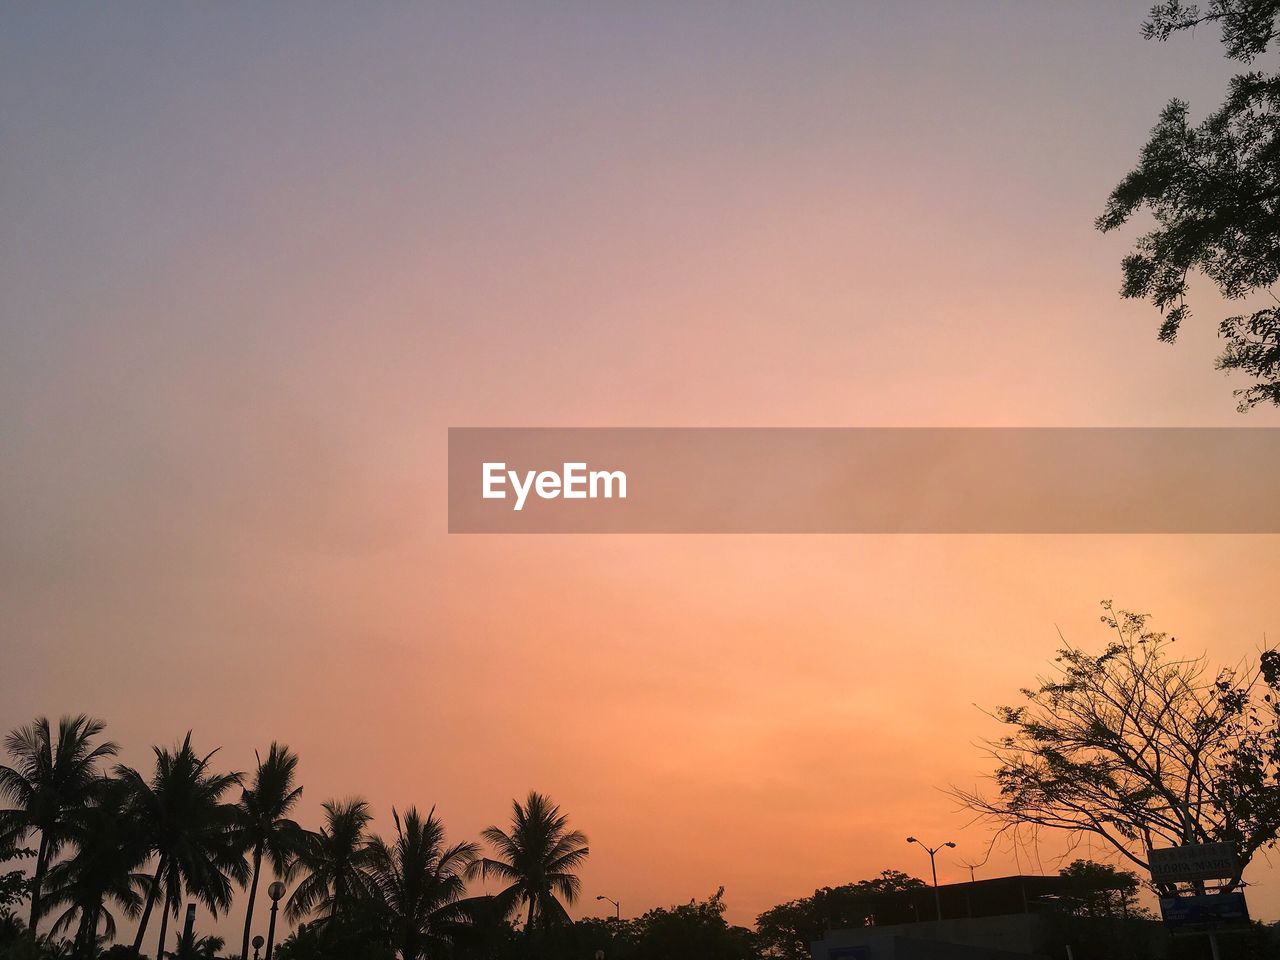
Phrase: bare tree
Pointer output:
(1141, 748)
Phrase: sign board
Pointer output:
(1204, 913)
(1201, 861)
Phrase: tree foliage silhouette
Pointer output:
(263, 826)
(695, 929)
(1213, 189)
(48, 780)
(104, 870)
(1103, 891)
(195, 947)
(189, 828)
(788, 929)
(1141, 748)
(332, 863)
(536, 857)
(418, 882)
(136, 841)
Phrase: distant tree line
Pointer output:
(90, 842)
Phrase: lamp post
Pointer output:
(188, 928)
(973, 881)
(617, 908)
(275, 892)
(257, 945)
(932, 851)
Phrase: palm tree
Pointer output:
(109, 853)
(334, 860)
(191, 831)
(481, 926)
(537, 857)
(417, 881)
(264, 827)
(47, 781)
(198, 948)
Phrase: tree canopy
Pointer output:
(537, 857)
(1142, 748)
(789, 928)
(1213, 190)
(1103, 891)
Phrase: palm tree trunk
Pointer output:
(528, 924)
(81, 949)
(253, 893)
(90, 922)
(164, 929)
(37, 882)
(146, 912)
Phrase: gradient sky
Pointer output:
(254, 260)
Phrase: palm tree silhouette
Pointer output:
(418, 882)
(334, 860)
(46, 782)
(198, 948)
(189, 828)
(264, 828)
(105, 868)
(537, 857)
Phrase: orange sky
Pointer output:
(257, 261)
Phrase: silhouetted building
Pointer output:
(998, 919)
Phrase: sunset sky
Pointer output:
(256, 259)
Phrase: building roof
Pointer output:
(980, 898)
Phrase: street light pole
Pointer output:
(617, 907)
(275, 892)
(933, 865)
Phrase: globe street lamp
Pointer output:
(937, 897)
(257, 945)
(275, 892)
(617, 908)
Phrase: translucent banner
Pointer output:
(864, 480)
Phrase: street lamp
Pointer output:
(937, 897)
(275, 892)
(257, 945)
(617, 908)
